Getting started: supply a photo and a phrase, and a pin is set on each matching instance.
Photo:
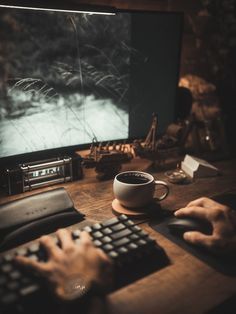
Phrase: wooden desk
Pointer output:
(186, 286)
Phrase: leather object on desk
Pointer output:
(27, 218)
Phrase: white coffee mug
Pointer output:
(134, 189)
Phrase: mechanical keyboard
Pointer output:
(134, 253)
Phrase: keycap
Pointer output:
(121, 234)
(33, 257)
(97, 226)
(97, 234)
(21, 251)
(33, 248)
(106, 239)
(97, 243)
(141, 242)
(15, 275)
(87, 229)
(132, 246)
(118, 227)
(123, 217)
(129, 223)
(134, 237)
(29, 290)
(107, 231)
(122, 250)
(8, 257)
(110, 222)
(76, 233)
(122, 241)
(113, 254)
(142, 233)
(135, 228)
(108, 247)
(6, 268)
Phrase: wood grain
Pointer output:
(186, 286)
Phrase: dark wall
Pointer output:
(208, 49)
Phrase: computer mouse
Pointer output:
(180, 225)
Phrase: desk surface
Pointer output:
(187, 284)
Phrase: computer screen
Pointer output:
(67, 79)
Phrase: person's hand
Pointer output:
(223, 221)
(72, 267)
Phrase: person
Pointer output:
(84, 261)
(72, 269)
(223, 221)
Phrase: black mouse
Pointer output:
(180, 225)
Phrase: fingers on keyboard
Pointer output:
(118, 240)
(32, 263)
(65, 239)
(49, 245)
(85, 238)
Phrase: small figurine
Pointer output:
(107, 160)
(155, 149)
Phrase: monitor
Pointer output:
(68, 78)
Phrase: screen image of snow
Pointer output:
(64, 79)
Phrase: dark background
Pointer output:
(208, 49)
(209, 44)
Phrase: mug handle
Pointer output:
(157, 182)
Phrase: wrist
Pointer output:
(75, 287)
(76, 293)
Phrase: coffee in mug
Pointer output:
(134, 189)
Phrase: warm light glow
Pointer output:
(56, 10)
